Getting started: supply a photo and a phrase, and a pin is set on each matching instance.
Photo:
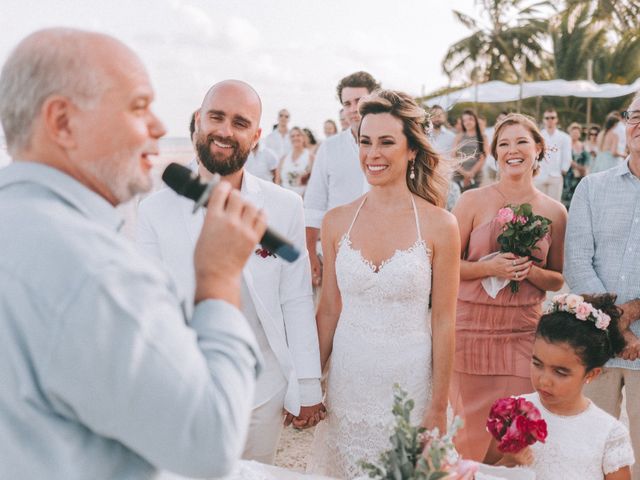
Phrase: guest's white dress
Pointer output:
(292, 171)
(586, 446)
(383, 337)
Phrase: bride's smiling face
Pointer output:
(384, 151)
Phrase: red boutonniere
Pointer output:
(264, 253)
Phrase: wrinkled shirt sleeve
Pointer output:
(579, 245)
(124, 363)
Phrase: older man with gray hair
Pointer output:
(602, 254)
(102, 376)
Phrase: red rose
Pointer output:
(539, 430)
(504, 407)
(525, 407)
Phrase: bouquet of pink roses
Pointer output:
(516, 423)
(521, 231)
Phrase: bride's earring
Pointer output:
(412, 170)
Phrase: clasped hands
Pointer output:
(511, 266)
(308, 417)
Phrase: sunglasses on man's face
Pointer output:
(550, 118)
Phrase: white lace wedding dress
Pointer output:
(383, 337)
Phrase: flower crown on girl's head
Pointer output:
(575, 304)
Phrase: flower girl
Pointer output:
(574, 339)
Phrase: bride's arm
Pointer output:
(330, 301)
(444, 294)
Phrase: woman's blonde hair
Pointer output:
(430, 181)
(527, 123)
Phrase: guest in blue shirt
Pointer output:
(101, 375)
(602, 254)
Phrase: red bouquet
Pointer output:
(516, 423)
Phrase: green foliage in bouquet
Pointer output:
(405, 459)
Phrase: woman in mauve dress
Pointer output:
(494, 336)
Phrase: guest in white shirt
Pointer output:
(558, 157)
(262, 162)
(336, 177)
(441, 138)
(278, 140)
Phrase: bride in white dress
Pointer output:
(386, 255)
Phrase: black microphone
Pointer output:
(186, 183)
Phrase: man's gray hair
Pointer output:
(48, 62)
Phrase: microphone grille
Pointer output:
(178, 177)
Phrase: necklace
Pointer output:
(508, 202)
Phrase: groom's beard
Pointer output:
(218, 163)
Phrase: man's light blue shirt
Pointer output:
(602, 245)
(100, 376)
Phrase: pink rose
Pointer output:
(505, 215)
(602, 321)
(523, 220)
(583, 310)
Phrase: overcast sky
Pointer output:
(293, 52)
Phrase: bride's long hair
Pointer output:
(430, 180)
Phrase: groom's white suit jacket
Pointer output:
(281, 291)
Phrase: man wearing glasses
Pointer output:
(558, 158)
(602, 254)
(278, 140)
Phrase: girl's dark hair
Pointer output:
(478, 132)
(594, 346)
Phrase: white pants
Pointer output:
(265, 429)
(551, 186)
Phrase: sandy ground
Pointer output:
(293, 449)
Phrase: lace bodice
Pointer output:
(383, 337)
(586, 446)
